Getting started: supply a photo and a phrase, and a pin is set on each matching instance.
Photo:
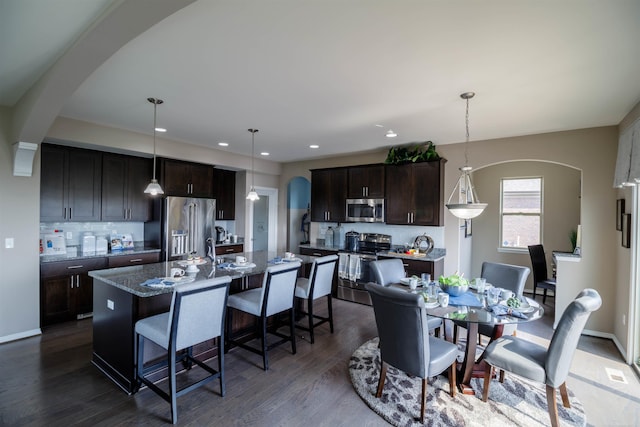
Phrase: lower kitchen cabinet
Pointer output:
(66, 290)
(133, 259)
(417, 267)
(229, 249)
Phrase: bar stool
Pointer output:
(274, 297)
(196, 315)
(316, 286)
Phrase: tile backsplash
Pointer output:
(73, 231)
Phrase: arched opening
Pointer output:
(298, 203)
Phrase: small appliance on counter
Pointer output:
(88, 243)
(102, 247)
(351, 241)
(54, 244)
(221, 234)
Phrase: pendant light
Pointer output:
(252, 195)
(467, 205)
(154, 188)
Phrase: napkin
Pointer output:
(468, 299)
(276, 260)
(501, 310)
(225, 265)
(149, 282)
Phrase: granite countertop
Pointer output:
(435, 255)
(130, 278)
(138, 248)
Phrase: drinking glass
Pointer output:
(480, 284)
(493, 296)
(426, 279)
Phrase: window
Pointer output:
(521, 212)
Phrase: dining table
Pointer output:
(472, 310)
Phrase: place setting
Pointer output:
(240, 263)
(177, 276)
(288, 257)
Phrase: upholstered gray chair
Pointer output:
(546, 365)
(316, 286)
(540, 277)
(196, 315)
(273, 297)
(389, 271)
(405, 342)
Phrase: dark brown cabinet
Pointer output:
(416, 267)
(133, 259)
(186, 179)
(224, 184)
(70, 184)
(366, 182)
(229, 249)
(124, 179)
(328, 194)
(66, 290)
(414, 193)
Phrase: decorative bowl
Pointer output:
(454, 291)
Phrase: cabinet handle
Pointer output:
(70, 216)
(408, 217)
(71, 282)
(136, 260)
(316, 254)
(74, 267)
(65, 213)
(230, 250)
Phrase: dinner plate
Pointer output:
(431, 304)
(172, 281)
(524, 307)
(236, 266)
(486, 286)
(405, 281)
(186, 263)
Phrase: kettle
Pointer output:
(221, 234)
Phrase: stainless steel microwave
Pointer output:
(365, 210)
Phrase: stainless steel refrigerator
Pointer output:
(188, 227)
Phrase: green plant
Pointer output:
(417, 153)
(453, 280)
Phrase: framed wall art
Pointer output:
(467, 228)
(619, 213)
(626, 230)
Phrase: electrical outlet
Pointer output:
(110, 305)
(69, 235)
(8, 243)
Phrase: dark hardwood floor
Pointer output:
(49, 380)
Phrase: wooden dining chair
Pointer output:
(540, 276)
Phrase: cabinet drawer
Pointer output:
(317, 252)
(229, 249)
(62, 268)
(133, 259)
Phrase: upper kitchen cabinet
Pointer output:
(366, 182)
(186, 179)
(224, 184)
(328, 194)
(70, 184)
(124, 179)
(415, 193)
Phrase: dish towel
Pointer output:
(501, 310)
(354, 268)
(343, 266)
(468, 299)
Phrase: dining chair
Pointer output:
(551, 365)
(317, 285)
(540, 276)
(405, 343)
(196, 315)
(389, 271)
(275, 296)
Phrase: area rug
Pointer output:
(516, 402)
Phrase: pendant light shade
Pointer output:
(154, 188)
(465, 205)
(252, 195)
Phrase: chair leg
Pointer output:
(488, 373)
(534, 291)
(452, 379)
(544, 296)
(330, 308)
(553, 407)
(221, 350)
(292, 330)
(172, 386)
(383, 375)
(423, 400)
(564, 395)
(227, 335)
(310, 314)
(140, 360)
(263, 337)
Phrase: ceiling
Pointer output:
(339, 73)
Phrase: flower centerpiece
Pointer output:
(455, 285)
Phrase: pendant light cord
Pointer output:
(155, 108)
(466, 144)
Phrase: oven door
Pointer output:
(354, 272)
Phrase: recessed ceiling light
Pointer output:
(391, 134)
(161, 130)
(379, 126)
(223, 144)
(264, 153)
(314, 146)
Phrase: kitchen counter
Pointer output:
(138, 248)
(435, 255)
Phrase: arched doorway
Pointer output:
(298, 203)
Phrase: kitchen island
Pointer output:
(120, 299)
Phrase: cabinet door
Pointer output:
(176, 177)
(338, 195)
(85, 185)
(229, 249)
(428, 200)
(320, 189)
(114, 193)
(139, 173)
(52, 184)
(399, 191)
(56, 303)
(83, 294)
(201, 180)
(133, 259)
(366, 181)
(224, 182)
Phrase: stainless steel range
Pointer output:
(354, 268)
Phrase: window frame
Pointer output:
(519, 249)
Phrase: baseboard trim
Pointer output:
(20, 335)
